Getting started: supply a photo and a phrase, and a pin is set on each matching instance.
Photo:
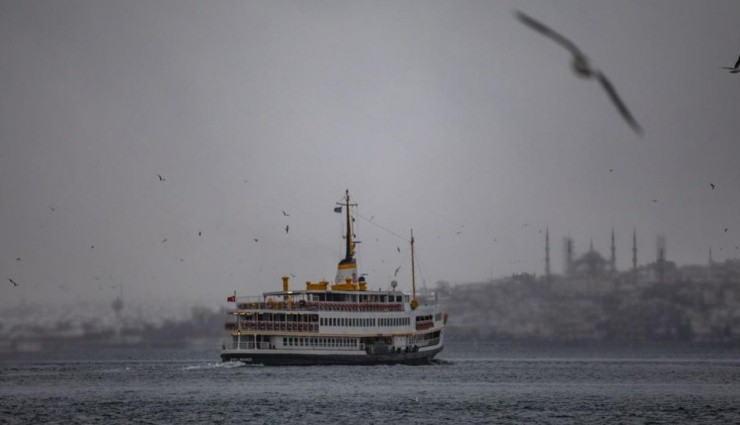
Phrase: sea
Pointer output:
(470, 382)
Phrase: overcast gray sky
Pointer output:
(451, 118)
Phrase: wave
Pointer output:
(219, 365)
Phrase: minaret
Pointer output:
(568, 242)
(661, 258)
(634, 255)
(547, 255)
(613, 259)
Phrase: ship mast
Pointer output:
(414, 303)
(349, 251)
(347, 268)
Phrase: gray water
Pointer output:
(470, 383)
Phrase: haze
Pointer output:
(451, 118)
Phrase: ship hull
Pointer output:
(303, 359)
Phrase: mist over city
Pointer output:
(158, 157)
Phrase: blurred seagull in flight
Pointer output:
(735, 69)
(13, 282)
(582, 67)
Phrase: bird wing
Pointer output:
(546, 31)
(618, 102)
(737, 64)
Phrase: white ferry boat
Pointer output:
(341, 323)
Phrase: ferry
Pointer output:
(343, 323)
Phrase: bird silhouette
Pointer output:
(735, 69)
(582, 67)
(398, 249)
(18, 259)
(711, 185)
(52, 209)
(162, 179)
(287, 228)
(199, 233)
(164, 240)
(13, 282)
(256, 240)
(286, 214)
(396, 272)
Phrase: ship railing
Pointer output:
(428, 342)
(251, 345)
(302, 305)
(424, 324)
(363, 306)
(277, 326)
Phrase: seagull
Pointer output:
(735, 69)
(397, 270)
(256, 240)
(164, 240)
(712, 185)
(52, 209)
(398, 249)
(582, 67)
(13, 282)
(199, 233)
(92, 246)
(18, 259)
(286, 214)
(162, 179)
(287, 228)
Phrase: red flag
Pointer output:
(231, 298)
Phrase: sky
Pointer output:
(450, 118)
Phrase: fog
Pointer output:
(451, 118)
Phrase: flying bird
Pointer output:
(162, 179)
(52, 209)
(711, 185)
(398, 249)
(287, 228)
(199, 233)
(256, 240)
(735, 69)
(92, 246)
(582, 67)
(286, 214)
(18, 259)
(13, 282)
(164, 240)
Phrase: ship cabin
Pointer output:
(333, 317)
